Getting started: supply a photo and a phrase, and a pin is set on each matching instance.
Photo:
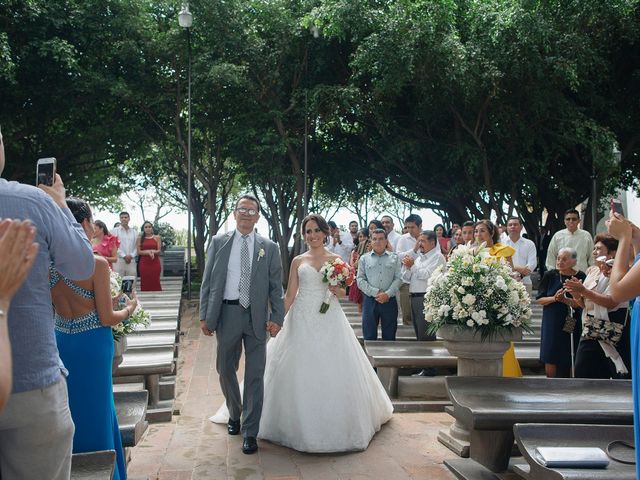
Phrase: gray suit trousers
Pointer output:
(234, 330)
(419, 323)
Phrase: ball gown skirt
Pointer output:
(320, 392)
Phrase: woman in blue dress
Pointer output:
(83, 320)
(625, 285)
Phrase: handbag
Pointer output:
(569, 322)
(603, 329)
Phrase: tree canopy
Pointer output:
(463, 106)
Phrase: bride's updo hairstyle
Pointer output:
(322, 225)
(80, 209)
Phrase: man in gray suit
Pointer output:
(241, 299)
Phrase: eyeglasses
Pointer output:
(247, 211)
(571, 219)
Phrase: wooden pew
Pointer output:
(489, 407)
(531, 436)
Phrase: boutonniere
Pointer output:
(260, 253)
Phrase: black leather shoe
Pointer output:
(249, 445)
(233, 427)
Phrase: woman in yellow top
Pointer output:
(485, 231)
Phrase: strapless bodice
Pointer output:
(310, 281)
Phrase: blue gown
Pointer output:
(86, 349)
(635, 349)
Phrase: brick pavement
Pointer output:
(191, 447)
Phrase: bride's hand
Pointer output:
(337, 291)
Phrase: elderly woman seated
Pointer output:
(560, 315)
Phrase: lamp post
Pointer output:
(185, 19)
(315, 31)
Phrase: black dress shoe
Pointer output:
(233, 427)
(249, 445)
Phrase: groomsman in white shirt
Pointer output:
(127, 251)
(524, 260)
(392, 235)
(340, 242)
(407, 247)
(417, 273)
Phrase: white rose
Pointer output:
(469, 299)
(461, 290)
(470, 323)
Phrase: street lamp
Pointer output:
(315, 32)
(185, 19)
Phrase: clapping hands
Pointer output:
(17, 254)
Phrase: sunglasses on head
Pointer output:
(608, 262)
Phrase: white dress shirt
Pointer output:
(393, 238)
(425, 264)
(343, 250)
(525, 255)
(405, 245)
(580, 240)
(128, 239)
(232, 286)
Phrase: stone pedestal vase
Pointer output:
(476, 358)
(119, 347)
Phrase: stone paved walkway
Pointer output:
(191, 447)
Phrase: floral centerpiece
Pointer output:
(476, 290)
(139, 317)
(337, 273)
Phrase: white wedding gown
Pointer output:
(320, 391)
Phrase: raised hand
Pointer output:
(17, 254)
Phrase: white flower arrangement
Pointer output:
(138, 318)
(476, 290)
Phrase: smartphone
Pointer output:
(127, 284)
(46, 171)
(616, 206)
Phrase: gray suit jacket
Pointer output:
(266, 293)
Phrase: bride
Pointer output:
(320, 391)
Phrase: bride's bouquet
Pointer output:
(476, 290)
(139, 317)
(337, 273)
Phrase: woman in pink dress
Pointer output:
(443, 241)
(105, 244)
(149, 246)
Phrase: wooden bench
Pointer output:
(389, 356)
(150, 363)
(531, 436)
(489, 407)
(93, 465)
(131, 410)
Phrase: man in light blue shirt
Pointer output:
(36, 429)
(379, 280)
